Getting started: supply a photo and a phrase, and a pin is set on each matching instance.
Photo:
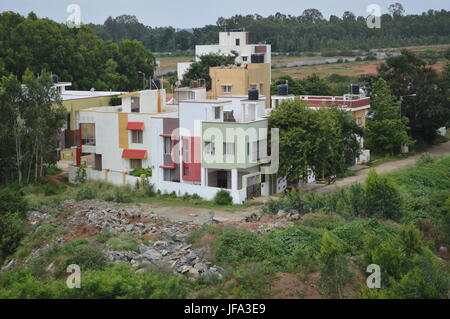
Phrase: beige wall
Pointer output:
(241, 78)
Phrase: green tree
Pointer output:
(200, 70)
(417, 85)
(334, 271)
(383, 197)
(386, 129)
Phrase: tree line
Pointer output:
(310, 31)
(76, 55)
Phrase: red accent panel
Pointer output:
(134, 154)
(135, 126)
(195, 157)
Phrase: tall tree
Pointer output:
(416, 84)
(386, 129)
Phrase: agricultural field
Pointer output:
(170, 63)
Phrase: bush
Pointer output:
(147, 172)
(12, 201)
(383, 197)
(120, 196)
(425, 158)
(223, 197)
(82, 253)
(148, 188)
(11, 233)
(85, 192)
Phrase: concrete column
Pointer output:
(204, 176)
(234, 179)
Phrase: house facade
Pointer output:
(197, 146)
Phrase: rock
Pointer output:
(143, 249)
(443, 252)
(193, 215)
(184, 269)
(50, 267)
(201, 267)
(252, 218)
(160, 243)
(193, 272)
(219, 220)
(211, 215)
(282, 213)
(8, 265)
(294, 217)
(151, 254)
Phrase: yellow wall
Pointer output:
(123, 132)
(81, 104)
(362, 114)
(241, 78)
(68, 154)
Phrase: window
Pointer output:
(167, 145)
(186, 171)
(359, 121)
(210, 148)
(226, 88)
(187, 148)
(135, 163)
(168, 174)
(238, 41)
(228, 148)
(136, 137)
(135, 104)
(217, 113)
(244, 59)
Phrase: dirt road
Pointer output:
(436, 150)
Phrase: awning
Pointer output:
(134, 154)
(135, 126)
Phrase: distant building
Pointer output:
(237, 80)
(231, 43)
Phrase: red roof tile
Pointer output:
(135, 126)
(134, 154)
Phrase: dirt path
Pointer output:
(436, 150)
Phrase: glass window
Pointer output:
(137, 137)
(217, 113)
(135, 163)
(187, 148)
(186, 171)
(135, 104)
(228, 148)
(226, 88)
(238, 41)
(167, 145)
(210, 148)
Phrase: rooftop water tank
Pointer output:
(253, 94)
(155, 84)
(283, 89)
(354, 89)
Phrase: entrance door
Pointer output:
(222, 179)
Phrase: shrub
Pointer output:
(147, 172)
(85, 192)
(322, 220)
(11, 233)
(123, 242)
(425, 158)
(297, 237)
(12, 201)
(120, 196)
(148, 188)
(82, 253)
(81, 174)
(223, 197)
(383, 197)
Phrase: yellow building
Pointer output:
(237, 80)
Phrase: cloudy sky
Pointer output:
(196, 13)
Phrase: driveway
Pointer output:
(437, 150)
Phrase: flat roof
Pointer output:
(74, 95)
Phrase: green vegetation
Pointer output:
(307, 32)
(387, 130)
(147, 172)
(81, 57)
(223, 197)
(322, 140)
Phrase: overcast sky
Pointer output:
(197, 13)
